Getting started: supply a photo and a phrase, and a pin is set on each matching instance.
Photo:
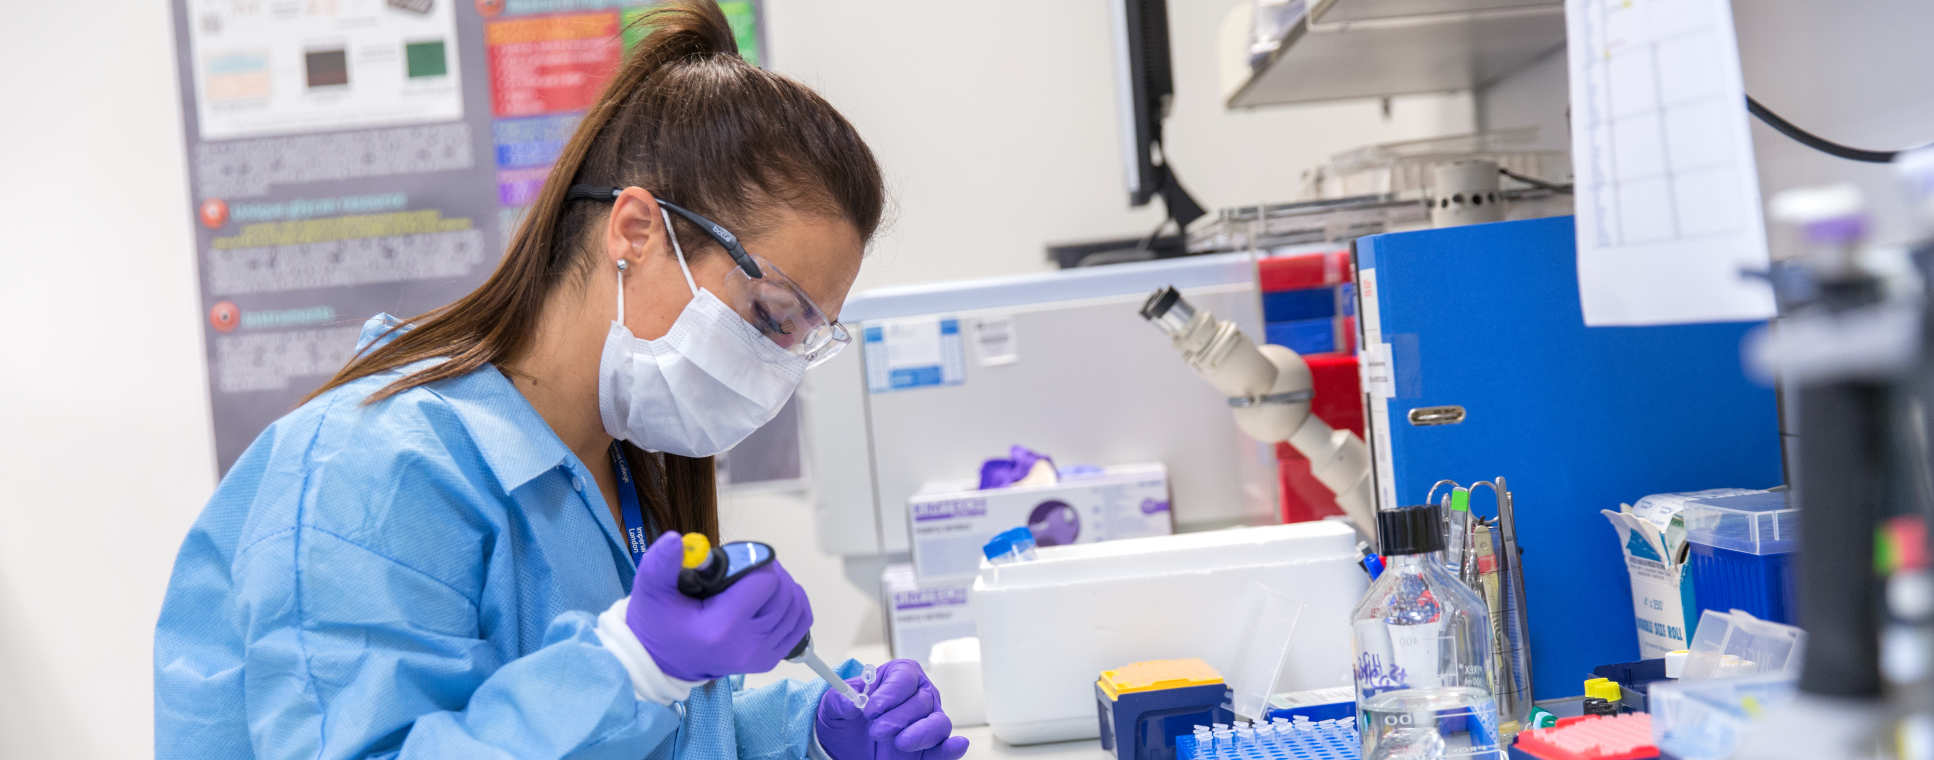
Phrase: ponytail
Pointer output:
(687, 118)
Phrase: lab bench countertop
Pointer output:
(985, 745)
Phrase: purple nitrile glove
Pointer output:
(1000, 473)
(901, 721)
(747, 628)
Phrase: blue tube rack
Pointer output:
(1303, 739)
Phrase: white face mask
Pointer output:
(701, 389)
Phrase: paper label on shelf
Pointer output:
(1668, 208)
(903, 354)
(995, 341)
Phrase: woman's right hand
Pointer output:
(747, 628)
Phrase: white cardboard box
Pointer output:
(949, 522)
(920, 615)
(1660, 585)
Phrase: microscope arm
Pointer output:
(1269, 393)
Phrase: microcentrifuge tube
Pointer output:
(868, 673)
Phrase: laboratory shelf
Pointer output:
(1343, 49)
(1321, 224)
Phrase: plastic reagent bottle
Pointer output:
(1423, 649)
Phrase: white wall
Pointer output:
(995, 121)
(1535, 96)
(105, 449)
(1853, 73)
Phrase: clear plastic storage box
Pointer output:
(1741, 551)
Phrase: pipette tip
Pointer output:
(859, 700)
(811, 660)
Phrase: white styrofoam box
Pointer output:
(1048, 627)
(949, 522)
(921, 614)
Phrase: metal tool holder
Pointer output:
(1503, 592)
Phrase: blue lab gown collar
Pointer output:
(492, 408)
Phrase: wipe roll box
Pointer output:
(949, 522)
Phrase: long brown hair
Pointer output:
(688, 119)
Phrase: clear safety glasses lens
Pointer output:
(784, 313)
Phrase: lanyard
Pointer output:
(634, 515)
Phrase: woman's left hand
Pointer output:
(901, 721)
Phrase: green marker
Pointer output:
(1457, 539)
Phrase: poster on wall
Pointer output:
(353, 157)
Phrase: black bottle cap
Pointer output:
(1410, 530)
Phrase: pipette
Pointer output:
(709, 570)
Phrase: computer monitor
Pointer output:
(1144, 85)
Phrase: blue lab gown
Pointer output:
(419, 578)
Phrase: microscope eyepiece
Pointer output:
(1168, 311)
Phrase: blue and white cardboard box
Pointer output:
(1661, 588)
(1652, 535)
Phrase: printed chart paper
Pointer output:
(350, 157)
(1668, 210)
(274, 68)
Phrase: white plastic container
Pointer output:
(955, 671)
(1048, 627)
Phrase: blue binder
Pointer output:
(1576, 418)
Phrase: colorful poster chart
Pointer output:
(353, 157)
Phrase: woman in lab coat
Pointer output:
(467, 543)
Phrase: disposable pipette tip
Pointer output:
(846, 690)
(811, 659)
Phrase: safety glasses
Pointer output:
(755, 288)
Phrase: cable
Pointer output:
(1535, 182)
(1817, 142)
(1148, 245)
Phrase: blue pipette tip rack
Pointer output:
(1302, 739)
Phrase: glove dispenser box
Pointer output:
(1049, 626)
